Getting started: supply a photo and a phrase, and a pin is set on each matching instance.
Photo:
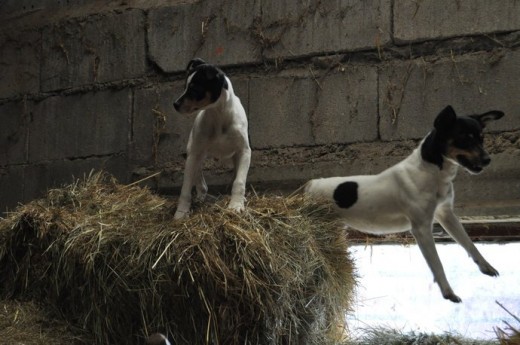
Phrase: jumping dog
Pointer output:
(410, 195)
(219, 130)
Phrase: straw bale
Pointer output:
(111, 260)
(27, 323)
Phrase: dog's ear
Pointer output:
(488, 116)
(194, 63)
(446, 119)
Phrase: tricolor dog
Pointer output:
(413, 193)
(220, 130)
(157, 339)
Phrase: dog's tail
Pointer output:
(301, 190)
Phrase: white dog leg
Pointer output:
(454, 228)
(424, 237)
(201, 186)
(183, 208)
(242, 161)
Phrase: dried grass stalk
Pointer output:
(110, 259)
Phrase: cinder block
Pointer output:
(493, 192)
(280, 111)
(11, 187)
(296, 28)
(347, 106)
(20, 61)
(13, 132)
(38, 178)
(95, 123)
(99, 48)
(438, 19)
(160, 134)
(412, 93)
(20, 8)
(216, 31)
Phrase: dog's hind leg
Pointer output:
(450, 222)
(422, 233)
(241, 161)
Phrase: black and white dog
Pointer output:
(417, 190)
(220, 130)
(157, 339)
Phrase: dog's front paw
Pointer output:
(179, 214)
(487, 269)
(452, 297)
(237, 206)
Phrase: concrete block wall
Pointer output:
(331, 87)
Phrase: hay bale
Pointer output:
(25, 322)
(110, 259)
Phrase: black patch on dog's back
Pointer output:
(345, 194)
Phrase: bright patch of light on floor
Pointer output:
(396, 290)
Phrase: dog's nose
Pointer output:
(177, 105)
(486, 160)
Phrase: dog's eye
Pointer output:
(196, 94)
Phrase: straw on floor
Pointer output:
(111, 260)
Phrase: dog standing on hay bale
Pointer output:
(220, 130)
(419, 189)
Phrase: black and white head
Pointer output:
(157, 339)
(460, 139)
(204, 85)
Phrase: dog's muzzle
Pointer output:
(474, 166)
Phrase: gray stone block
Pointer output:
(97, 49)
(20, 8)
(280, 111)
(412, 93)
(295, 28)
(20, 61)
(11, 187)
(496, 191)
(13, 132)
(95, 123)
(38, 178)
(213, 30)
(160, 134)
(347, 106)
(435, 19)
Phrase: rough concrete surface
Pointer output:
(433, 19)
(79, 126)
(413, 92)
(331, 87)
(97, 49)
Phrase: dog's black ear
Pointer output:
(488, 116)
(194, 63)
(446, 119)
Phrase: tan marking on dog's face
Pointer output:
(473, 159)
(471, 155)
(189, 105)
